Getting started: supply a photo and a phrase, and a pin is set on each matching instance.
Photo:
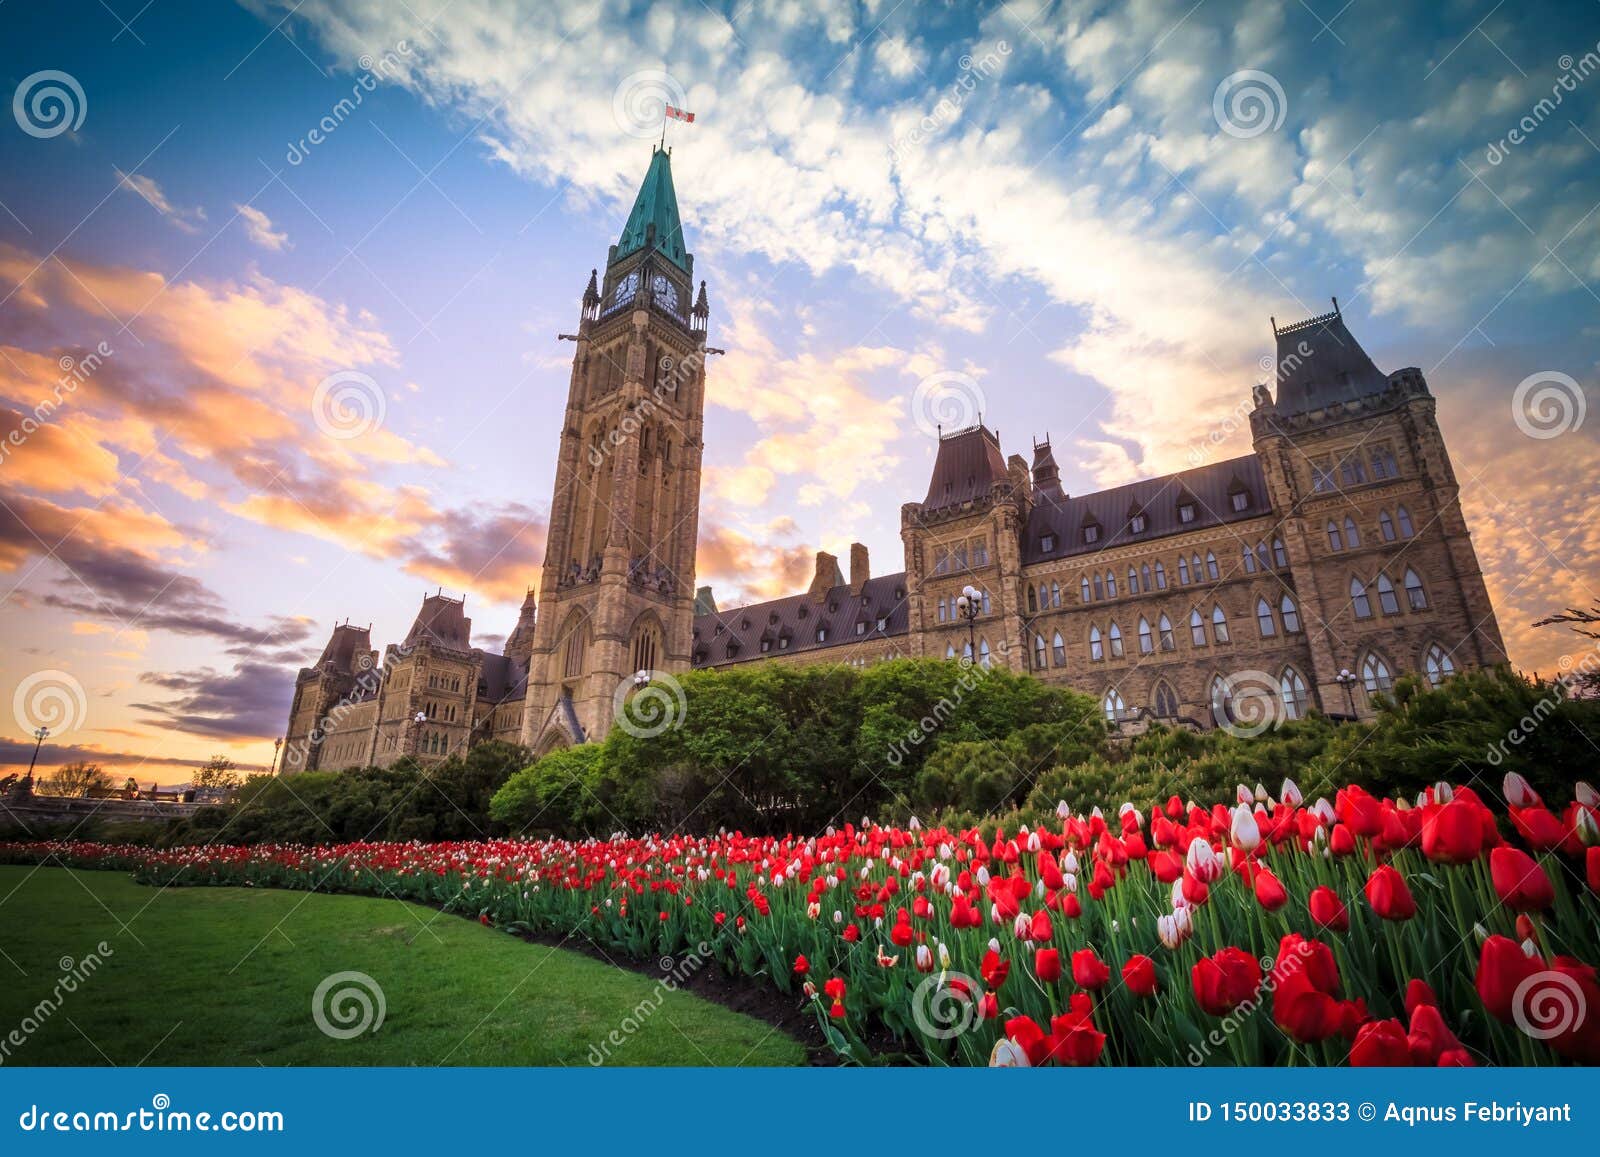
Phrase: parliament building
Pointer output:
(1314, 570)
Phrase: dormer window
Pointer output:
(861, 628)
(883, 624)
(1240, 499)
(1137, 523)
(822, 634)
(1185, 512)
(718, 630)
(1047, 543)
(766, 645)
(1091, 533)
(783, 642)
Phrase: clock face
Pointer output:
(666, 293)
(626, 288)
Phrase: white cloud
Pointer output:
(145, 187)
(258, 227)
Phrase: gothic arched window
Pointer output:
(1291, 615)
(1096, 647)
(1058, 650)
(1164, 631)
(1166, 703)
(1386, 598)
(1416, 597)
(1146, 642)
(1335, 542)
(1293, 689)
(1115, 707)
(1358, 599)
(1161, 577)
(1404, 518)
(1375, 674)
(1115, 637)
(1438, 665)
(1352, 537)
(1264, 621)
(1385, 526)
(1219, 624)
(1197, 629)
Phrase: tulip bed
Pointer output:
(1365, 930)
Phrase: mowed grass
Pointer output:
(226, 976)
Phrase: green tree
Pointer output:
(75, 780)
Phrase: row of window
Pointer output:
(1375, 677)
(1162, 636)
(1153, 577)
(958, 557)
(1388, 601)
(1353, 470)
(947, 612)
(1138, 522)
(444, 683)
(1349, 538)
(442, 714)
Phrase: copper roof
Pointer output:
(969, 462)
(1209, 488)
(737, 633)
(346, 647)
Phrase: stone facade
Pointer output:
(1308, 574)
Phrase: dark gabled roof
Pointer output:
(1321, 363)
(347, 649)
(1210, 487)
(442, 621)
(969, 462)
(654, 217)
(501, 677)
(798, 617)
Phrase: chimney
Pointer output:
(827, 575)
(860, 571)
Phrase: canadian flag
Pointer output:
(678, 114)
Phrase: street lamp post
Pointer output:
(276, 743)
(1346, 679)
(969, 604)
(40, 735)
(641, 679)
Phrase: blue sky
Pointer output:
(1076, 217)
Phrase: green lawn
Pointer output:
(226, 976)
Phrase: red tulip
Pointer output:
(1380, 1042)
(1047, 964)
(1542, 831)
(1519, 881)
(1502, 967)
(1039, 927)
(1225, 980)
(1388, 894)
(1270, 892)
(993, 969)
(1029, 1037)
(1166, 866)
(1341, 841)
(851, 933)
(1328, 910)
(801, 965)
(1431, 1042)
(834, 988)
(1453, 833)
(1139, 974)
(1569, 1007)
(1359, 811)
(1418, 992)
(1073, 1038)
(1088, 970)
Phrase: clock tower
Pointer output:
(617, 589)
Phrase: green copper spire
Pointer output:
(657, 206)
